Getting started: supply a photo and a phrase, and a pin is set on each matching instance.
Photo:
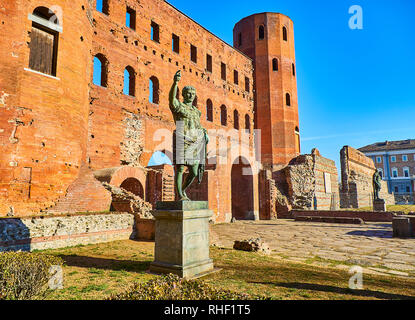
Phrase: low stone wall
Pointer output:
(367, 216)
(340, 220)
(39, 233)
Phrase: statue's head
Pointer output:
(189, 94)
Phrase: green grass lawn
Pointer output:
(97, 271)
(402, 208)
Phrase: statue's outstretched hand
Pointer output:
(178, 76)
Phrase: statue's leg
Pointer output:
(179, 180)
(191, 177)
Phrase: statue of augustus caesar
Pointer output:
(190, 139)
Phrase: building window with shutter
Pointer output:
(44, 38)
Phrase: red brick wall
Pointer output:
(49, 144)
(125, 47)
(66, 121)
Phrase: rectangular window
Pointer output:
(155, 32)
(379, 159)
(396, 190)
(408, 189)
(193, 53)
(235, 77)
(43, 50)
(209, 66)
(406, 172)
(247, 84)
(393, 159)
(103, 6)
(395, 173)
(223, 71)
(130, 18)
(175, 43)
(405, 158)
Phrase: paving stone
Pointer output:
(398, 273)
(399, 266)
(301, 241)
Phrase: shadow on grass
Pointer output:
(108, 264)
(338, 290)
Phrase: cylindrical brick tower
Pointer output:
(268, 38)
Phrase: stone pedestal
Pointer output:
(182, 239)
(379, 205)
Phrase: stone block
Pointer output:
(401, 227)
(182, 239)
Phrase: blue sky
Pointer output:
(355, 87)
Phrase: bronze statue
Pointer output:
(377, 186)
(190, 138)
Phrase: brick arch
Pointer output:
(124, 173)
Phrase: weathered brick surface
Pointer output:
(43, 119)
(357, 180)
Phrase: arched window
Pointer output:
(195, 102)
(284, 34)
(288, 99)
(100, 70)
(293, 65)
(247, 123)
(129, 81)
(261, 33)
(209, 110)
(275, 64)
(223, 115)
(236, 119)
(154, 90)
(297, 140)
(44, 41)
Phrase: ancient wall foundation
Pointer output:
(357, 180)
(309, 182)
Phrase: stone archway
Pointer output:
(242, 186)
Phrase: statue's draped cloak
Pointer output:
(189, 140)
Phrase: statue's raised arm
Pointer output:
(174, 102)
